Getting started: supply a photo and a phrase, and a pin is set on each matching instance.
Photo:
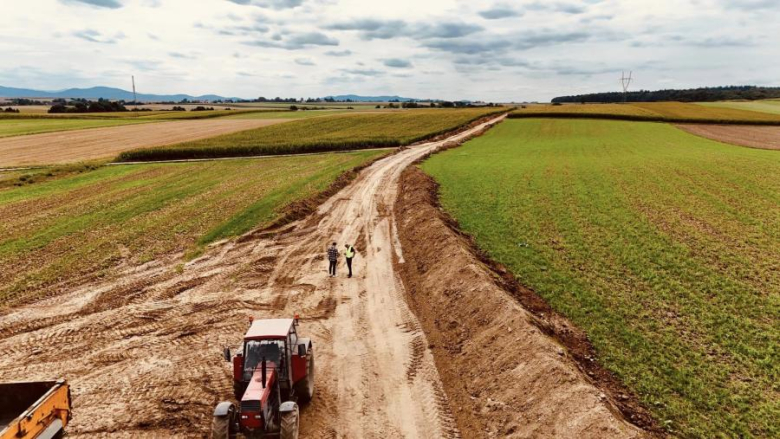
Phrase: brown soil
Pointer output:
(742, 135)
(513, 366)
(102, 143)
(143, 352)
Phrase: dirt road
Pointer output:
(143, 353)
(101, 143)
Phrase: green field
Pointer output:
(20, 127)
(764, 106)
(664, 247)
(80, 225)
(318, 134)
(652, 111)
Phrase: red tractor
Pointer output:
(272, 372)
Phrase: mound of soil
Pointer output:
(742, 135)
(504, 369)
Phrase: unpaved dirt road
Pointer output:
(143, 353)
(101, 143)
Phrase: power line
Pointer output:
(625, 81)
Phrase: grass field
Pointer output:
(664, 247)
(764, 106)
(651, 111)
(85, 225)
(339, 132)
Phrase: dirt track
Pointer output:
(742, 135)
(100, 143)
(144, 353)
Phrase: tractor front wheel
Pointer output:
(305, 387)
(220, 427)
(289, 427)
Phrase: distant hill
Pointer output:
(704, 94)
(358, 98)
(102, 92)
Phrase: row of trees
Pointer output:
(704, 94)
(85, 106)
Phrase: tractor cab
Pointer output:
(272, 371)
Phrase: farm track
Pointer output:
(143, 353)
(101, 143)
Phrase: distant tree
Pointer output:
(293, 108)
(704, 94)
(11, 110)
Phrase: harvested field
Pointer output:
(142, 351)
(662, 246)
(63, 232)
(319, 134)
(763, 106)
(751, 136)
(22, 127)
(104, 143)
(651, 112)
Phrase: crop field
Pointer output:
(340, 132)
(21, 127)
(105, 143)
(72, 229)
(763, 106)
(664, 247)
(651, 111)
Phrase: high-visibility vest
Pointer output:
(350, 252)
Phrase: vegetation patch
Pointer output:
(59, 232)
(651, 112)
(663, 247)
(335, 133)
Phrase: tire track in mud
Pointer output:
(143, 352)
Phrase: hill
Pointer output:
(102, 92)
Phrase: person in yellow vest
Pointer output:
(348, 255)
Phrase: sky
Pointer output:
(488, 50)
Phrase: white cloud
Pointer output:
(450, 49)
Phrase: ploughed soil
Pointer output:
(742, 135)
(510, 366)
(102, 143)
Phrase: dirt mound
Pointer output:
(506, 376)
(101, 143)
(751, 136)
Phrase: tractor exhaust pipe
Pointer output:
(263, 371)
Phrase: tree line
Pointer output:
(703, 94)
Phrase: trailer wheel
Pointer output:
(289, 427)
(305, 388)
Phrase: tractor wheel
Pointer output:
(220, 427)
(305, 388)
(289, 427)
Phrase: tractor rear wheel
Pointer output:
(289, 427)
(220, 427)
(305, 387)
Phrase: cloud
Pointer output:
(182, 55)
(363, 72)
(750, 5)
(94, 36)
(294, 41)
(110, 4)
(271, 4)
(499, 11)
(397, 63)
(469, 46)
(338, 53)
(565, 7)
(304, 62)
(373, 29)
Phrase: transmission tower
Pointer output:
(625, 81)
(135, 101)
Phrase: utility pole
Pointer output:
(625, 81)
(135, 101)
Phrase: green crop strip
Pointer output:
(664, 247)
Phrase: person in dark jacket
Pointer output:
(349, 253)
(333, 257)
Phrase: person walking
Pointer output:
(333, 256)
(349, 253)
